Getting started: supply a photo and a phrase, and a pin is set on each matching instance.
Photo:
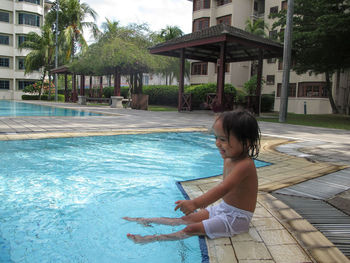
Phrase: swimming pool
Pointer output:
(61, 200)
(15, 108)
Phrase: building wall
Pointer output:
(14, 29)
(241, 11)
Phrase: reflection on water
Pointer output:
(14, 108)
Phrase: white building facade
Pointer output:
(306, 92)
(17, 19)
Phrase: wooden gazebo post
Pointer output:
(182, 77)
(257, 107)
(74, 95)
(66, 87)
(221, 76)
(117, 80)
(90, 87)
(101, 86)
(82, 85)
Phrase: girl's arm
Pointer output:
(234, 178)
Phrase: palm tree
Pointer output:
(171, 67)
(256, 27)
(73, 14)
(110, 29)
(171, 32)
(42, 52)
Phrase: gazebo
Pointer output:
(219, 44)
(74, 96)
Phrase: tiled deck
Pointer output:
(277, 232)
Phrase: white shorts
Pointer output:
(226, 221)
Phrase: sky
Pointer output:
(156, 13)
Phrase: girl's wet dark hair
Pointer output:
(243, 125)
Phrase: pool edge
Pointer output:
(202, 243)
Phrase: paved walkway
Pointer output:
(277, 233)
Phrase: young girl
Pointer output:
(238, 139)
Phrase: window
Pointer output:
(4, 84)
(274, 10)
(21, 63)
(271, 60)
(5, 62)
(31, 1)
(21, 39)
(280, 64)
(224, 20)
(24, 83)
(200, 4)
(28, 19)
(227, 67)
(4, 40)
(223, 2)
(312, 89)
(199, 68)
(256, 6)
(284, 5)
(270, 80)
(200, 24)
(291, 89)
(4, 17)
(145, 80)
(273, 34)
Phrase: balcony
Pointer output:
(29, 8)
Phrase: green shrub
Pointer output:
(199, 92)
(267, 102)
(60, 97)
(109, 91)
(61, 91)
(241, 96)
(250, 85)
(30, 97)
(162, 94)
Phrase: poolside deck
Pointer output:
(277, 233)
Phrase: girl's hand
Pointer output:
(186, 206)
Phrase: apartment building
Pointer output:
(306, 92)
(17, 19)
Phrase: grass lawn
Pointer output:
(335, 121)
(161, 108)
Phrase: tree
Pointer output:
(110, 29)
(170, 67)
(170, 32)
(42, 52)
(125, 51)
(256, 27)
(72, 16)
(321, 34)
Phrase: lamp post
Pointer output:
(287, 51)
(56, 53)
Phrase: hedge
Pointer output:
(199, 92)
(162, 94)
(267, 102)
(60, 97)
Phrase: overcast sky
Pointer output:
(156, 13)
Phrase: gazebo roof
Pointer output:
(61, 70)
(204, 45)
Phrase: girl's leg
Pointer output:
(185, 220)
(195, 229)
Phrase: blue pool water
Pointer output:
(14, 108)
(61, 200)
